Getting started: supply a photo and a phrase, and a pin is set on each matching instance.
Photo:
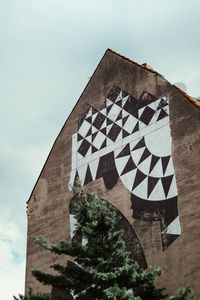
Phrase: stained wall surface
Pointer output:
(134, 139)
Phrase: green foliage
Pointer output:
(38, 296)
(102, 268)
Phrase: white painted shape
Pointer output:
(173, 189)
(71, 180)
(93, 168)
(108, 128)
(124, 100)
(118, 150)
(103, 124)
(119, 137)
(152, 105)
(82, 172)
(108, 102)
(174, 227)
(79, 156)
(142, 125)
(94, 116)
(100, 137)
(83, 130)
(74, 150)
(145, 165)
(94, 129)
(136, 155)
(119, 97)
(103, 111)
(157, 193)
(114, 112)
(84, 241)
(170, 168)
(73, 223)
(128, 179)
(158, 142)
(140, 111)
(109, 142)
(89, 152)
(89, 113)
(157, 103)
(154, 118)
(89, 138)
(157, 170)
(121, 163)
(119, 123)
(130, 124)
(124, 113)
(141, 189)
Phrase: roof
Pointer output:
(148, 68)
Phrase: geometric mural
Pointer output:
(129, 139)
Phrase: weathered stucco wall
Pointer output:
(48, 207)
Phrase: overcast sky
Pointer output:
(48, 51)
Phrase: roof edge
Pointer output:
(187, 96)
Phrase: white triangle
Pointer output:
(89, 138)
(119, 137)
(157, 170)
(94, 129)
(119, 123)
(124, 100)
(141, 189)
(89, 113)
(119, 97)
(128, 179)
(94, 116)
(158, 193)
(174, 227)
(173, 189)
(108, 141)
(130, 124)
(103, 111)
(89, 152)
(82, 172)
(145, 165)
(157, 103)
(136, 155)
(142, 125)
(124, 113)
(121, 163)
(170, 168)
(108, 102)
(152, 105)
(104, 124)
(93, 168)
(140, 111)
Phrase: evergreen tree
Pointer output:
(102, 268)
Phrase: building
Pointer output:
(135, 139)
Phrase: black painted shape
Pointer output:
(168, 239)
(162, 115)
(129, 166)
(125, 133)
(162, 104)
(79, 137)
(136, 128)
(114, 92)
(165, 161)
(83, 149)
(75, 177)
(145, 154)
(108, 108)
(60, 294)
(166, 182)
(94, 135)
(125, 151)
(131, 106)
(109, 122)
(152, 181)
(124, 94)
(147, 115)
(88, 176)
(119, 116)
(124, 120)
(145, 210)
(89, 132)
(89, 119)
(139, 145)
(139, 177)
(110, 179)
(106, 164)
(80, 121)
(103, 130)
(94, 149)
(98, 120)
(154, 161)
(104, 144)
(94, 110)
(114, 132)
(119, 103)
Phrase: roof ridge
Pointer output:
(146, 67)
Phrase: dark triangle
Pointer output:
(152, 181)
(125, 151)
(124, 94)
(136, 128)
(124, 120)
(89, 131)
(89, 119)
(124, 133)
(76, 177)
(109, 121)
(94, 135)
(94, 110)
(108, 109)
(162, 115)
(154, 161)
(119, 116)
(140, 144)
(88, 176)
(165, 161)
(129, 166)
(79, 137)
(162, 104)
(103, 130)
(119, 103)
(145, 154)
(138, 179)
(166, 182)
(94, 149)
(103, 144)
